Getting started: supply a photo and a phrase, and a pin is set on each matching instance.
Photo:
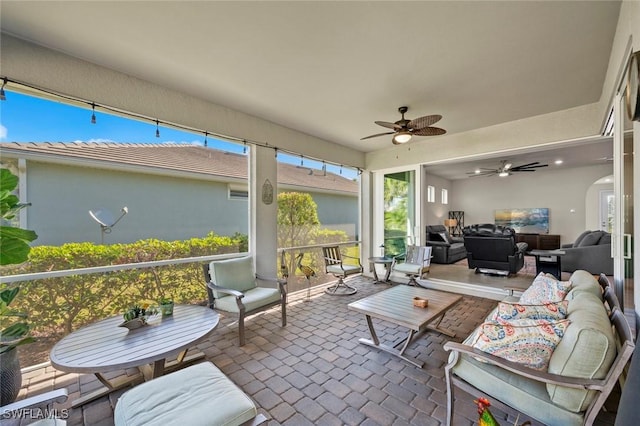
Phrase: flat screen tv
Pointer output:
(524, 221)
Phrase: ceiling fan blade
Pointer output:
(422, 122)
(519, 168)
(376, 135)
(429, 131)
(389, 125)
(522, 170)
(526, 165)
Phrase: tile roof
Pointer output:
(180, 157)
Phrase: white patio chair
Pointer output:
(417, 261)
(334, 264)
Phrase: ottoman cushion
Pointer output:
(195, 396)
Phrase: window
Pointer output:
(431, 194)
(445, 196)
(237, 192)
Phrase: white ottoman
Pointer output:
(197, 395)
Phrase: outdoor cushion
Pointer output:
(253, 299)
(582, 281)
(336, 269)
(527, 342)
(407, 268)
(236, 274)
(586, 351)
(545, 289)
(196, 396)
(511, 311)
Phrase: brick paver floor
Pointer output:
(314, 371)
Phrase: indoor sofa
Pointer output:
(493, 249)
(445, 248)
(591, 251)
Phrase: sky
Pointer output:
(26, 118)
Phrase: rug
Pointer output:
(529, 267)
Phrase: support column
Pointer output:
(263, 193)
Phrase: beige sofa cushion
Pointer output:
(587, 350)
(583, 281)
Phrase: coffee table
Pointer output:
(103, 346)
(548, 261)
(395, 305)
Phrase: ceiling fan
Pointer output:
(404, 129)
(507, 169)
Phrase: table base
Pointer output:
(146, 372)
(375, 342)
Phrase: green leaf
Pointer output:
(8, 181)
(13, 251)
(8, 294)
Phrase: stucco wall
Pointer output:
(162, 207)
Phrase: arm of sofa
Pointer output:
(594, 259)
(519, 369)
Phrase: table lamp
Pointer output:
(450, 223)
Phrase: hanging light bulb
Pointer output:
(244, 149)
(157, 129)
(93, 113)
(205, 138)
(401, 137)
(3, 97)
(324, 168)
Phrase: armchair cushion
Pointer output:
(344, 269)
(253, 299)
(235, 274)
(576, 243)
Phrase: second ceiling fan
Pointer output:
(404, 129)
(507, 169)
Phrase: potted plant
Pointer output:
(165, 305)
(136, 316)
(14, 331)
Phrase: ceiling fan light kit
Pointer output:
(404, 130)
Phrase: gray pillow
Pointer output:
(606, 239)
(591, 239)
(580, 237)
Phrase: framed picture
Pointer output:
(524, 221)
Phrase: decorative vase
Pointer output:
(166, 309)
(10, 376)
(133, 324)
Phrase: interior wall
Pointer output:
(436, 213)
(563, 191)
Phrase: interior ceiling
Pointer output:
(329, 69)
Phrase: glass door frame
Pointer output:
(378, 204)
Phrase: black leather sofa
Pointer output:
(493, 249)
(445, 248)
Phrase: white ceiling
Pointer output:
(329, 69)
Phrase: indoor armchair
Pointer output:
(233, 287)
(493, 249)
(445, 248)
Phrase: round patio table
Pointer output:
(103, 346)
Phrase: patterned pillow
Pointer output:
(549, 311)
(545, 289)
(527, 342)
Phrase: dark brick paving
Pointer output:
(314, 371)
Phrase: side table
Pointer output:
(387, 262)
(548, 261)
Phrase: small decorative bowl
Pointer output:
(420, 302)
(133, 324)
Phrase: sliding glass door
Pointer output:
(399, 215)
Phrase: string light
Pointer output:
(324, 168)
(205, 138)
(244, 149)
(3, 97)
(118, 111)
(301, 160)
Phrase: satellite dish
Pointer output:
(105, 219)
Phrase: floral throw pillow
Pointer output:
(527, 342)
(545, 289)
(549, 311)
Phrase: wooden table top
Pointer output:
(103, 346)
(396, 305)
